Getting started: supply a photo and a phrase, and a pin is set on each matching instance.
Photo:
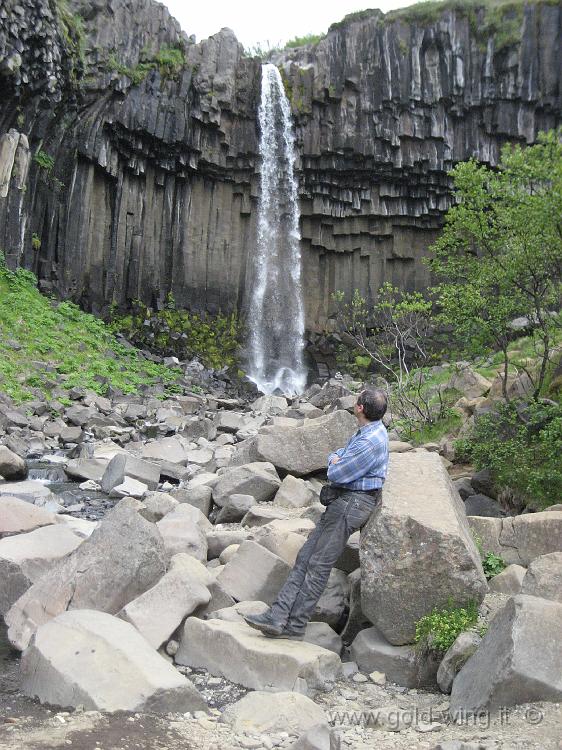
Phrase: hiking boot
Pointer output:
(264, 624)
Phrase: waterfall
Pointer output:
(276, 312)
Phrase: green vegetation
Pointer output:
(303, 41)
(438, 630)
(214, 340)
(169, 61)
(499, 256)
(43, 329)
(493, 564)
(74, 36)
(35, 241)
(45, 161)
(533, 438)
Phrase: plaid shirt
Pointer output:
(364, 460)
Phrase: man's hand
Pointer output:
(335, 459)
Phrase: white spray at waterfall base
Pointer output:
(276, 310)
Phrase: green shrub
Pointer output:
(302, 41)
(493, 564)
(45, 161)
(438, 630)
(35, 241)
(522, 449)
(214, 339)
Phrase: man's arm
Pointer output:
(356, 462)
(336, 454)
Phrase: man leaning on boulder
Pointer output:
(356, 473)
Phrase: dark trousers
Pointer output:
(301, 591)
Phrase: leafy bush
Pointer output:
(45, 161)
(438, 630)
(170, 331)
(168, 60)
(521, 445)
(493, 564)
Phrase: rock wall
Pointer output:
(150, 181)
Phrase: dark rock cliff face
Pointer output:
(119, 181)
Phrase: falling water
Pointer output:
(276, 312)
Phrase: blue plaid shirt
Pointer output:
(364, 460)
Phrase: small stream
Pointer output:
(89, 504)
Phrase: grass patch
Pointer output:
(302, 41)
(168, 61)
(58, 339)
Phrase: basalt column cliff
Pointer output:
(129, 153)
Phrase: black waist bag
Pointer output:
(328, 494)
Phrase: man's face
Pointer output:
(358, 408)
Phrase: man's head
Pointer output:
(371, 405)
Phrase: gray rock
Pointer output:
(304, 449)
(356, 620)
(509, 580)
(321, 634)
(260, 712)
(481, 505)
(219, 539)
(416, 549)
(87, 469)
(24, 558)
(460, 651)
(258, 479)
(334, 600)
(18, 516)
(156, 505)
(124, 465)
(512, 665)
(235, 508)
(519, 539)
(104, 573)
(254, 574)
(401, 664)
(165, 449)
(200, 496)
(260, 515)
(544, 577)
(242, 655)
(12, 466)
(159, 611)
(91, 659)
(483, 483)
(182, 533)
(293, 493)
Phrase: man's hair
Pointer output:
(374, 403)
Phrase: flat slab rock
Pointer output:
(95, 660)
(416, 550)
(245, 656)
(18, 516)
(522, 538)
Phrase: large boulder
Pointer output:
(166, 449)
(24, 558)
(12, 466)
(416, 550)
(161, 609)
(92, 659)
(242, 655)
(267, 712)
(520, 539)
(509, 580)
(544, 577)
(518, 661)
(124, 465)
(254, 573)
(182, 533)
(124, 556)
(18, 516)
(258, 479)
(305, 449)
(469, 382)
(294, 493)
(235, 508)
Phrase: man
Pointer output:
(358, 472)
